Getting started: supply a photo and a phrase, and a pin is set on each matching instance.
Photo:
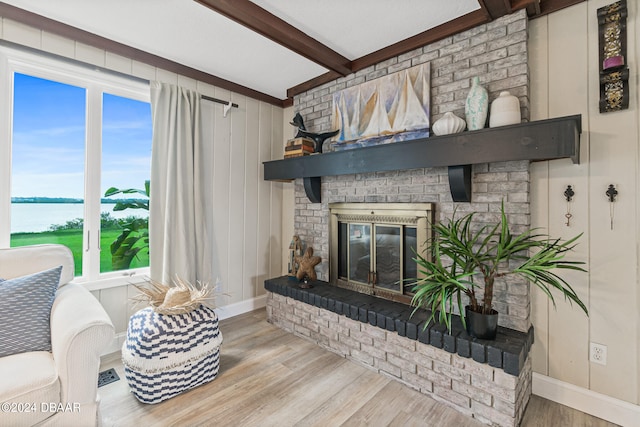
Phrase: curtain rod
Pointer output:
(219, 101)
(97, 68)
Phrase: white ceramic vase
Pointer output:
(505, 110)
(447, 124)
(476, 106)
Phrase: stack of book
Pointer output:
(298, 147)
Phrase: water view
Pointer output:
(57, 159)
(38, 217)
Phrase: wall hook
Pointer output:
(226, 108)
(612, 193)
(569, 193)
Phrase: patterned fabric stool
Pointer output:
(165, 355)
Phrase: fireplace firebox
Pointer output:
(372, 246)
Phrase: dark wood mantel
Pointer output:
(540, 140)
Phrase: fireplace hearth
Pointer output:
(508, 351)
(488, 380)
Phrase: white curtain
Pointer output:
(179, 222)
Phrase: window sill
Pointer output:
(115, 280)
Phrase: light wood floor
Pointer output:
(272, 378)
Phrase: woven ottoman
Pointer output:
(165, 355)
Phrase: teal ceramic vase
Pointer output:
(476, 106)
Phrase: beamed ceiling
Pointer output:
(270, 50)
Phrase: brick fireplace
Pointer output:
(497, 52)
(488, 380)
(491, 390)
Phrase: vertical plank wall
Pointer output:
(247, 236)
(564, 81)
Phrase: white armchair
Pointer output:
(58, 387)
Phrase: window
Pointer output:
(126, 166)
(75, 163)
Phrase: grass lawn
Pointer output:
(73, 240)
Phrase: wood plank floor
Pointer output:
(271, 378)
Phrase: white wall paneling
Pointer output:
(277, 245)
(288, 193)
(236, 210)
(613, 159)
(539, 175)
(568, 345)
(264, 238)
(253, 178)
(564, 80)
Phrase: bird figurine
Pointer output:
(318, 138)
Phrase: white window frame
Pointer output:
(96, 82)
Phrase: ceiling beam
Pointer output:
(255, 18)
(462, 23)
(55, 27)
(532, 6)
(489, 10)
(550, 6)
(432, 35)
(533, 9)
(496, 8)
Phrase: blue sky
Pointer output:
(48, 151)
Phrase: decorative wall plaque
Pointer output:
(614, 73)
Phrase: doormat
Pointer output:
(107, 377)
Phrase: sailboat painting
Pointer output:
(388, 109)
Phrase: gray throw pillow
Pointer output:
(25, 311)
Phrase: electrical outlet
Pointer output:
(598, 353)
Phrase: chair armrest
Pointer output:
(80, 331)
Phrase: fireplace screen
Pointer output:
(372, 246)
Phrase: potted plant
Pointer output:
(465, 260)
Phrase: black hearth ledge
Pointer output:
(508, 351)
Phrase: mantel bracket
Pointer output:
(312, 188)
(460, 183)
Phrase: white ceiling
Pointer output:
(191, 34)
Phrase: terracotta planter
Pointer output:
(483, 326)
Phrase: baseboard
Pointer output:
(115, 346)
(592, 403)
(241, 307)
(225, 312)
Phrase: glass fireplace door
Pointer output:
(372, 246)
(388, 256)
(376, 255)
(359, 253)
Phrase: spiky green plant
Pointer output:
(460, 254)
(134, 237)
